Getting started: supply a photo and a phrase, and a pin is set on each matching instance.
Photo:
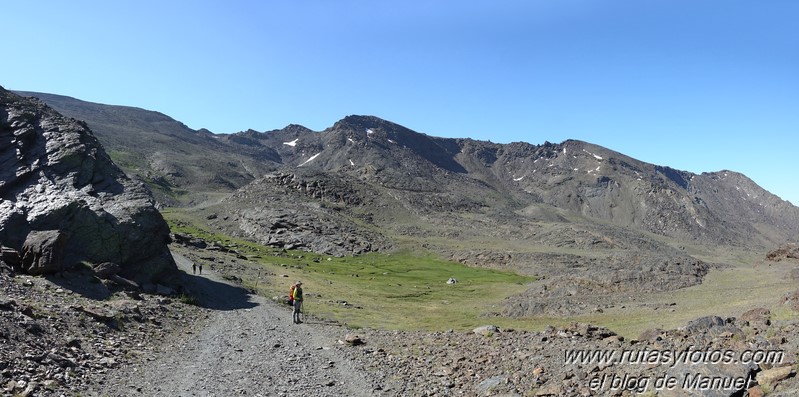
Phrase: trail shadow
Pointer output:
(210, 291)
(217, 295)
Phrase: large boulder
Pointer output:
(55, 176)
(43, 252)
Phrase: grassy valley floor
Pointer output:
(408, 290)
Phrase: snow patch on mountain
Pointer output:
(598, 157)
(310, 159)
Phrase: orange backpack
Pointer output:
(291, 293)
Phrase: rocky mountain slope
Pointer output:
(593, 223)
(434, 175)
(63, 201)
(164, 153)
(437, 175)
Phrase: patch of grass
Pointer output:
(127, 160)
(83, 265)
(181, 222)
(188, 299)
(783, 313)
(403, 290)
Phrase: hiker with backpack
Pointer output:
(295, 297)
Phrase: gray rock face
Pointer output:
(43, 252)
(54, 175)
(9, 259)
(310, 211)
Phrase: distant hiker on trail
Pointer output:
(296, 297)
(200, 266)
(194, 268)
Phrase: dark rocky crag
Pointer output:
(313, 211)
(64, 201)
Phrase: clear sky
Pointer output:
(697, 85)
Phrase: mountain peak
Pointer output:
(296, 128)
(361, 123)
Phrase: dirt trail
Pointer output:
(246, 345)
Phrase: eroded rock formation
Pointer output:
(55, 176)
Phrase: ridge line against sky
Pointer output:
(699, 86)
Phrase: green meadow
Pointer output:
(400, 290)
(408, 290)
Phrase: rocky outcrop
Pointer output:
(310, 211)
(56, 177)
(787, 251)
(791, 300)
(577, 285)
(146, 140)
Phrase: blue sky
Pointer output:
(692, 84)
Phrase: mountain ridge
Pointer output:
(580, 177)
(593, 224)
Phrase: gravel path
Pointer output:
(245, 345)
